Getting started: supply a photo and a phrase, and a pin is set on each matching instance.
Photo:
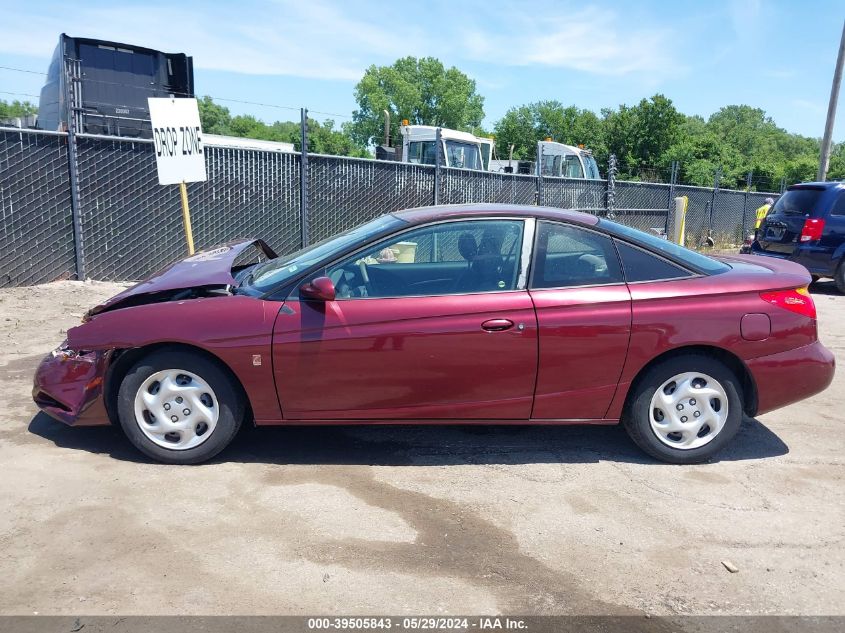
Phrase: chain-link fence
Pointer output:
(644, 206)
(461, 186)
(573, 193)
(129, 225)
(344, 192)
(36, 234)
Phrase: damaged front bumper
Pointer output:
(69, 386)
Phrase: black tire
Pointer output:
(636, 417)
(839, 277)
(229, 400)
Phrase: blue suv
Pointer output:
(807, 225)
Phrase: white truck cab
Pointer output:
(565, 161)
(461, 150)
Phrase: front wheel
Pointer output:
(685, 409)
(179, 407)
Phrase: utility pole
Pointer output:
(824, 160)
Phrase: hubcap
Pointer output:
(688, 410)
(176, 409)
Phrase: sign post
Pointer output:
(180, 157)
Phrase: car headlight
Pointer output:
(63, 352)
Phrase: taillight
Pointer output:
(812, 230)
(796, 300)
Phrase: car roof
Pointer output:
(452, 211)
(828, 184)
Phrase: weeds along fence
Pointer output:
(91, 206)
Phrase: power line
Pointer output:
(23, 70)
(19, 94)
(255, 103)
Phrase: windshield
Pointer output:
(696, 261)
(462, 155)
(797, 202)
(276, 271)
(572, 167)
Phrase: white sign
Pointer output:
(177, 135)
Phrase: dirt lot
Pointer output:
(410, 519)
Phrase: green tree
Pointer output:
(323, 138)
(422, 91)
(16, 109)
(525, 125)
(639, 135)
(215, 119)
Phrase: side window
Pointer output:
(839, 205)
(640, 265)
(551, 165)
(448, 258)
(422, 152)
(567, 256)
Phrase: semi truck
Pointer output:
(104, 86)
(466, 151)
(461, 150)
(565, 161)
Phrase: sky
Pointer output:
(776, 55)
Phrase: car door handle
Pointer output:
(497, 325)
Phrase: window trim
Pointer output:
(581, 227)
(520, 260)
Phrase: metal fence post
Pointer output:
(438, 158)
(673, 179)
(717, 178)
(745, 203)
(610, 201)
(303, 176)
(539, 193)
(71, 89)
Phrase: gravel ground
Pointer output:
(411, 519)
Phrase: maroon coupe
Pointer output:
(481, 314)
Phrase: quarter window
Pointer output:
(567, 256)
(640, 265)
(839, 206)
(448, 258)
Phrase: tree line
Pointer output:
(646, 138)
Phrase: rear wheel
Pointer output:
(179, 407)
(839, 277)
(685, 409)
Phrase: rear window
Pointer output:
(665, 248)
(797, 202)
(642, 266)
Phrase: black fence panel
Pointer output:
(36, 222)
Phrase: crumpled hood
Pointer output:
(208, 268)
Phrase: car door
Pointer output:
(434, 323)
(584, 318)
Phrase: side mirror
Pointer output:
(319, 289)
